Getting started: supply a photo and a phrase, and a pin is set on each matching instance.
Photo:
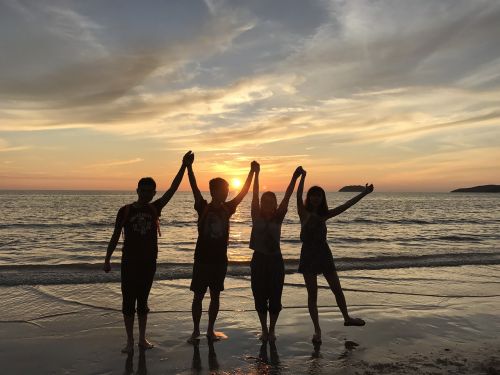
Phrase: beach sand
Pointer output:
(420, 320)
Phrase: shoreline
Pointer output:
(77, 329)
(83, 273)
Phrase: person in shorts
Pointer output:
(140, 224)
(267, 266)
(210, 257)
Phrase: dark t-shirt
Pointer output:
(141, 236)
(266, 233)
(213, 231)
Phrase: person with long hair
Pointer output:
(315, 256)
(268, 268)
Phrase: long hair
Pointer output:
(323, 206)
(269, 194)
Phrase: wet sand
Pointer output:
(426, 321)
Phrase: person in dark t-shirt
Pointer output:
(210, 256)
(140, 224)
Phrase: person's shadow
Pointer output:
(213, 363)
(315, 362)
(141, 368)
(129, 364)
(349, 347)
(196, 362)
(268, 364)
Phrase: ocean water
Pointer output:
(61, 236)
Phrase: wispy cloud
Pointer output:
(115, 163)
(285, 81)
(17, 148)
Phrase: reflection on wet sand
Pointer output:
(141, 368)
(196, 365)
(268, 364)
(315, 360)
(349, 347)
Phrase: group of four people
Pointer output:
(139, 222)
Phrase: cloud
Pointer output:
(116, 163)
(97, 79)
(378, 47)
(256, 78)
(6, 147)
(17, 148)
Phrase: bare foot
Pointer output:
(316, 339)
(145, 344)
(194, 336)
(215, 336)
(264, 336)
(354, 322)
(129, 348)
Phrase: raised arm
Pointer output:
(113, 242)
(351, 202)
(192, 180)
(165, 198)
(246, 186)
(300, 191)
(255, 196)
(289, 190)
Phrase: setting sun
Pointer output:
(235, 183)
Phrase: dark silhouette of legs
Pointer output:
(196, 309)
(263, 324)
(312, 303)
(336, 288)
(143, 321)
(129, 328)
(213, 310)
(273, 318)
(334, 283)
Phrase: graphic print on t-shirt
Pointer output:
(215, 226)
(141, 223)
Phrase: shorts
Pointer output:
(268, 277)
(206, 275)
(136, 281)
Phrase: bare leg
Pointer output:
(196, 309)
(312, 303)
(273, 317)
(263, 323)
(213, 310)
(334, 282)
(143, 342)
(129, 328)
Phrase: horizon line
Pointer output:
(207, 191)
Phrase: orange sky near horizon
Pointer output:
(404, 95)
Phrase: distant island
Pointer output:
(479, 189)
(352, 188)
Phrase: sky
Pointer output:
(402, 94)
